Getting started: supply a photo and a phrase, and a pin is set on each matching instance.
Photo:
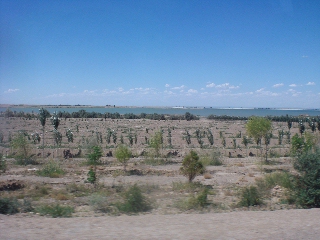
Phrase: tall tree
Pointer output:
(43, 114)
(258, 128)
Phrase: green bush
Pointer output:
(153, 161)
(51, 169)
(213, 159)
(191, 166)
(134, 201)
(9, 206)
(99, 203)
(308, 183)
(20, 160)
(55, 211)
(187, 187)
(250, 196)
(91, 176)
(194, 202)
(202, 198)
(26, 206)
(283, 179)
(3, 163)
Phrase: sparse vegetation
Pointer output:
(9, 206)
(250, 196)
(169, 196)
(134, 201)
(55, 211)
(51, 169)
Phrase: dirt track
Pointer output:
(285, 224)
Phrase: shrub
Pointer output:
(91, 176)
(99, 203)
(250, 196)
(156, 142)
(123, 155)
(194, 202)
(26, 206)
(153, 161)
(51, 169)
(283, 179)
(202, 198)
(213, 159)
(188, 186)
(134, 201)
(26, 161)
(94, 155)
(55, 211)
(3, 163)
(9, 206)
(308, 183)
(191, 166)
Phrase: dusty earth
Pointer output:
(162, 184)
(281, 224)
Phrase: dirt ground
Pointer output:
(275, 219)
(281, 224)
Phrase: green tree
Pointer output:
(156, 142)
(191, 166)
(94, 155)
(187, 137)
(69, 135)
(123, 154)
(210, 137)
(43, 114)
(55, 121)
(267, 139)
(301, 127)
(302, 144)
(21, 144)
(93, 159)
(258, 128)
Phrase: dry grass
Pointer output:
(207, 175)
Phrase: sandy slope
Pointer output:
(285, 224)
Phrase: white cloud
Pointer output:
(120, 89)
(305, 56)
(225, 85)
(11, 90)
(210, 85)
(260, 90)
(89, 91)
(192, 91)
(278, 85)
(168, 92)
(293, 85)
(311, 83)
(178, 88)
(167, 85)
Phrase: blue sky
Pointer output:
(231, 53)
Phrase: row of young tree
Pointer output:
(107, 115)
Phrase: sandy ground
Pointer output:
(226, 180)
(283, 224)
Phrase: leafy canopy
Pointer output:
(258, 127)
(95, 155)
(123, 155)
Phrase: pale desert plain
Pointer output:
(160, 180)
